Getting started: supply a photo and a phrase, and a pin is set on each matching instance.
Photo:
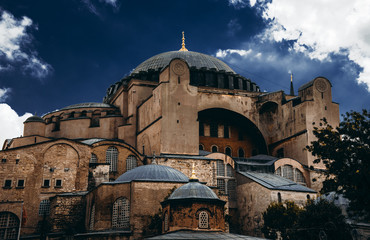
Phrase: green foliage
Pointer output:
(321, 218)
(279, 219)
(288, 221)
(346, 153)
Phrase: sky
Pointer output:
(58, 53)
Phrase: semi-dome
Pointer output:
(193, 190)
(34, 118)
(153, 173)
(89, 105)
(193, 59)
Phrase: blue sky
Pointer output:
(57, 53)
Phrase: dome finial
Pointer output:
(183, 43)
(193, 173)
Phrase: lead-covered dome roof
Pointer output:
(193, 190)
(34, 118)
(193, 59)
(153, 173)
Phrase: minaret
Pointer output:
(291, 85)
(183, 49)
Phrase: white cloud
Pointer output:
(242, 3)
(223, 53)
(14, 41)
(321, 28)
(4, 93)
(93, 9)
(11, 125)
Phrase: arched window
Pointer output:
(83, 114)
(121, 213)
(166, 222)
(278, 171)
(299, 176)
(279, 197)
(111, 158)
(288, 172)
(44, 207)
(92, 218)
(95, 119)
(72, 115)
(131, 162)
(214, 148)
(93, 158)
(203, 219)
(9, 224)
(201, 147)
(241, 153)
(228, 151)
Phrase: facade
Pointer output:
(179, 110)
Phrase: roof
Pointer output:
(187, 234)
(193, 190)
(193, 59)
(153, 173)
(275, 182)
(89, 105)
(258, 160)
(34, 119)
(91, 141)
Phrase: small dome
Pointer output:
(193, 59)
(153, 173)
(34, 118)
(89, 105)
(192, 190)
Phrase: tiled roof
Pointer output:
(153, 173)
(193, 59)
(274, 182)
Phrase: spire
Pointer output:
(183, 43)
(193, 173)
(291, 85)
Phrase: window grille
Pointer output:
(278, 171)
(44, 207)
(94, 158)
(220, 168)
(241, 153)
(228, 151)
(214, 149)
(221, 185)
(299, 176)
(203, 219)
(288, 172)
(111, 158)
(166, 222)
(229, 170)
(131, 162)
(9, 224)
(214, 130)
(121, 213)
(92, 218)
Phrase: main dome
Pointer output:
(193, 59)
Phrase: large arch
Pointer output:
(225, 128)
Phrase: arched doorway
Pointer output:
(227, 129)
(9, 225)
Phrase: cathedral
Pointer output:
(182, 146)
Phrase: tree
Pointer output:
(279, 219)
(321, 220)
(345, 151)
(318, 219)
